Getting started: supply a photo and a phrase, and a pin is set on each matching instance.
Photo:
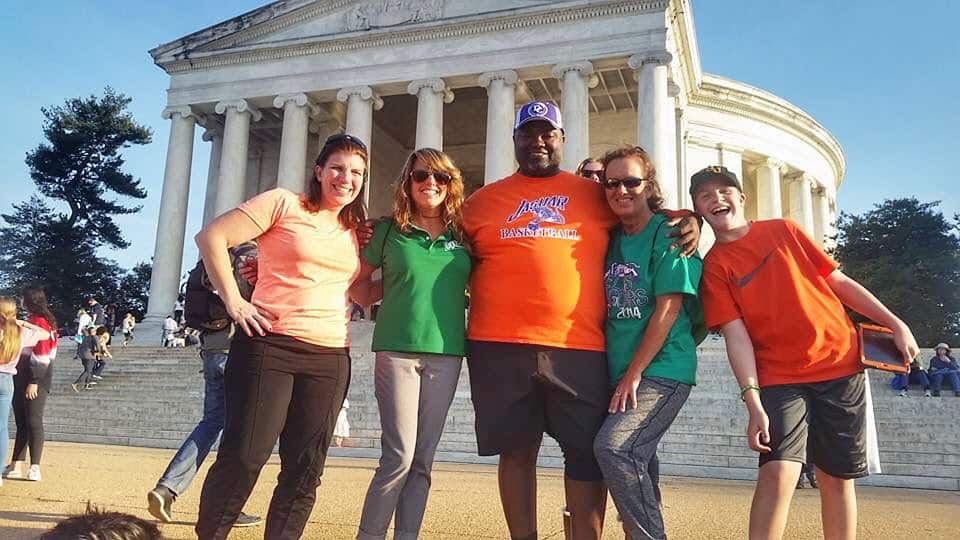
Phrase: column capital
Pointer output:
(659, 58)
(332, 124)
(673, 89)
(435, 85)
(241, 105)
(801, 177)
(583, 67)
(212, 132)
(508, 76)
(365, 93)
(184, 111)
(299, 99)
(774, 163)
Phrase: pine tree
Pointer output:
(908, 255)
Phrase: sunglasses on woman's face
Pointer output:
(442, 178)
(628, 182)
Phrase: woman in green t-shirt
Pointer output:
(651, 352)
(419, 336)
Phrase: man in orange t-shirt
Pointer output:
(779, 301)
(535, 345)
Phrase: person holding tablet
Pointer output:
(780, 302)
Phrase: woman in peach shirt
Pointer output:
(289, 368)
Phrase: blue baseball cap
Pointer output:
(539, 110)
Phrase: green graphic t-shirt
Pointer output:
(638, 268)
(423, 290)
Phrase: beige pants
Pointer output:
(414, 392)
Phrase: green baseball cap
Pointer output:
(713, 172)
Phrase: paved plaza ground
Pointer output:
(463, 502)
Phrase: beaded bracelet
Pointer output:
(746, 389)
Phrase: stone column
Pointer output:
(431, 94)
(172, 222)
(768, 190)
(231, 182)
(501, 105)
(822, 221)
(214, 135)
(361, 102)
(297, 109)
(801, 202)
(576, 79)
(653, 115)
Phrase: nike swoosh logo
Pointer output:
(742, 282)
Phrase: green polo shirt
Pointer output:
(424, 281)
(638, 268)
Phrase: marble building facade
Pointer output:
(267, 87)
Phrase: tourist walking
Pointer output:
(127, 326)
(16, 338)
(84, 321)
(32, 385)
(418, 338)
(652, 310)
(88, 351)
(215, 337)
(95, 309)
(289, 369)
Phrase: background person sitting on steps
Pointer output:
(916, 375)
(943, 366)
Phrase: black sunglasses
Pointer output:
(340, 137)
(628, 182)
(442, 178)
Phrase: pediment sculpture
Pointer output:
(383, 13)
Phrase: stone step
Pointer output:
(151, 397)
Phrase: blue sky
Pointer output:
(883, 77)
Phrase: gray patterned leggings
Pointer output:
(626, 448)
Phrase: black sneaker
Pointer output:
(159, 500)
(246, 520)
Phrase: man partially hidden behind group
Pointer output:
(536, 342)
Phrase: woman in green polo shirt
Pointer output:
(419, 336)
(652, 308)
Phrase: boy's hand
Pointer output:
(906, 343)
(687, 234)
(365, 232)
(758, 430)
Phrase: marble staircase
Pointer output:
(151, 397)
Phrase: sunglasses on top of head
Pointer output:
(338, 137)
(441, 178)
(628, 182)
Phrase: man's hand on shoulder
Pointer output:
(687, 232)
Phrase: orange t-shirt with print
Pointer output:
(539, 245)
(774, 278)
(305, 268)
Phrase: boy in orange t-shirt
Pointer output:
(779, 301)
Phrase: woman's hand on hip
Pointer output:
(625, 395)
(248, 317)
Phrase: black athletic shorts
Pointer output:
(831, 414)
(522, 391)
